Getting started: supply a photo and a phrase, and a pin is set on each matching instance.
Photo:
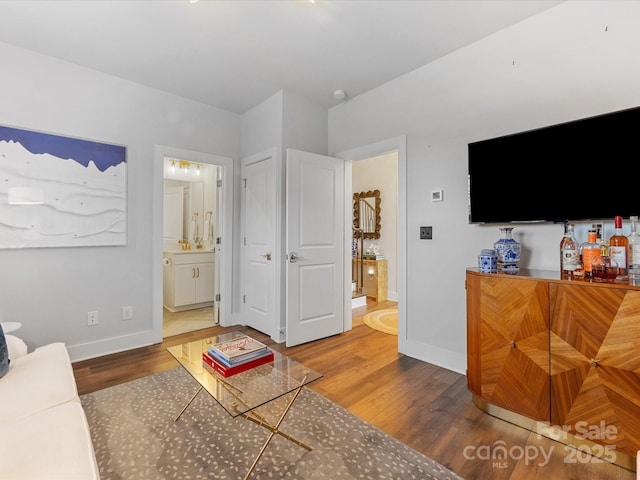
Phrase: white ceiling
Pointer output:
(236, 54)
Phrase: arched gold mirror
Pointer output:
(366, 214)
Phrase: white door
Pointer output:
(173, 214)
(315, 247)
(258, 296)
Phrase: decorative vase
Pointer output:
(488, 261)
(508, 251)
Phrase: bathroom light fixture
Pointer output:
(339, 94)
(182, 168)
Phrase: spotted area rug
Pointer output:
(135, 437)
(383, 320)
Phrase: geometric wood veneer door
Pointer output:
(595, 362)
(514, 344)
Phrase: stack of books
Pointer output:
(234, 356)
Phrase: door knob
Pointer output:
(267, 255)
(293, 258)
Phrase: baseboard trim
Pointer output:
(358, 301)
(85, 351)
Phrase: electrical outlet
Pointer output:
(92, 318)
(127, 313)
(426, 233)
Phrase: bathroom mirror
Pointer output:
(366, 214)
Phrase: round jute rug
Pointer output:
(383, 320)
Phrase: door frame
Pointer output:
(399, 145)
(226, 282)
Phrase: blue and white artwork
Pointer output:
(59, 191)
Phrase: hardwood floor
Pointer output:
(426, 407)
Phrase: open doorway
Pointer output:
(198, 211)
(397, 145)
(188, 242)
(375, 262)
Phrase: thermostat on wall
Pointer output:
(436, 195)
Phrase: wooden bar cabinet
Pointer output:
(559, 357)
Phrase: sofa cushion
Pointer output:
(37, 381)
(4, 354)
(54, 444)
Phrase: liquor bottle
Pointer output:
(598, 227)
(603, 267)
(634, 251)
(569, 253)
(590, 249)
(618, 248)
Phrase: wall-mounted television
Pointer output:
(576, 171)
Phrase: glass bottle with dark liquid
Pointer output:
(603, 267)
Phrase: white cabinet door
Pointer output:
(204, 282)
(184, 284)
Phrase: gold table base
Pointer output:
(254, 416)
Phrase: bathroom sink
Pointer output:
(193, 250)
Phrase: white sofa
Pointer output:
(44, 434)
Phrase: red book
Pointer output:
(228, 371)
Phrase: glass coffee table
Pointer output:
(243, 393)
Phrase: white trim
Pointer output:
(454, 361)
(108, 346)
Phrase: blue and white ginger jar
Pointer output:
(508, 250)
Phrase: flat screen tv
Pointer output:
(575, 171)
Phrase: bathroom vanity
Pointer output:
(188, 280)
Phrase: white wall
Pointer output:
(50, 290)
(304, 124)
(575, 60)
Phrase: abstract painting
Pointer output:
(60, 191)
